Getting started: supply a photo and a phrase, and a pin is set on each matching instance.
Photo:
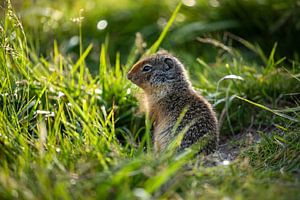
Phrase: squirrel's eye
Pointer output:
(146, 68)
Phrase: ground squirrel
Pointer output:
(169, 96)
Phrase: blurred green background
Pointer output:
(261, 22)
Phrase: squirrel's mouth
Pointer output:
(136, 81)
(132, 78)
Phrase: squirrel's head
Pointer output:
(161, 70)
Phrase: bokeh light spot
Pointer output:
(102, 24)
(189, 3)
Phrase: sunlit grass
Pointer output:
(67, 133)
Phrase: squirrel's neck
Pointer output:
(162, 101)
(159, 93)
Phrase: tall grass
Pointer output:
(66, 133)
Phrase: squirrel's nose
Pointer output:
(129, 76)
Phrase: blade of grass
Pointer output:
(156, 44)
(163, 176)
(81, 59)
(269, 109)
(102, 67)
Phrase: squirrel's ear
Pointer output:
(169, 63)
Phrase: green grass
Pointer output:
(68, 133)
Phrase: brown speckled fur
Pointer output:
(168, 93)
